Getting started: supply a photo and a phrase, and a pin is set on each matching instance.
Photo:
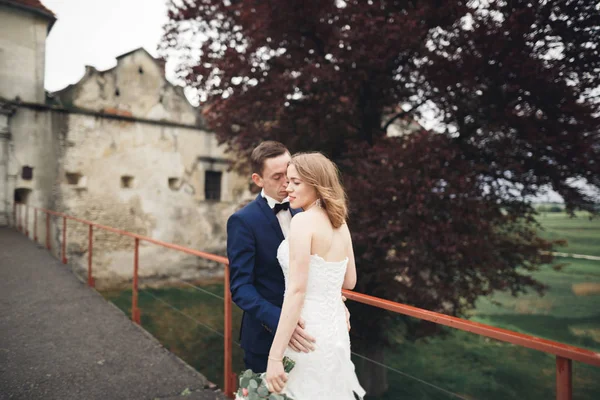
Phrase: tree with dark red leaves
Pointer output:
(440, 217)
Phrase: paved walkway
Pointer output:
(61, 340)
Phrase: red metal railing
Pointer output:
(564, 354)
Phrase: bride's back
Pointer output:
(314, 185)
(329, 243)
(326, 372)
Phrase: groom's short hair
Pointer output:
(264, 151)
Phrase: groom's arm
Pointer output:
(241, 250)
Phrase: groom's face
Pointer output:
(274, 179)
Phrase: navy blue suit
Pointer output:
(257, 283)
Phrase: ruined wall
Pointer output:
(147, 179)
(144, 174)
(136, 85)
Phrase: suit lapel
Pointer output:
(268, 212)
(295, 211)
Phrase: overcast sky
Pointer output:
(95, 32)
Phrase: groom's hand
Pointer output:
(301, 341)
(347, 313)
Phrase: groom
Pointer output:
(254, 234)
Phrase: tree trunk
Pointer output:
(372, 376)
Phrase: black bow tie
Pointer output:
(282, 206)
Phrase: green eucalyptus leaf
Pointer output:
(262, 391)
(288, 364)
(244, 382)
(253, 384)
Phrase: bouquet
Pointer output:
(254, 386)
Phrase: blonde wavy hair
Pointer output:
(321, 173)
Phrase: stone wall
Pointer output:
(144, 173)
(33, 141)
(123, 148)
(148, 179)
(22, 54)
(136, 86)
(5, 112)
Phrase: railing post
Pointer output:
(135, 311)
(64, 241)
(35, 238)
(564, 378)
(48, 244)
(20, 228)
(27, 220)
(14, 215)
(228, 377)
(91, 282)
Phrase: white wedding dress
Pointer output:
(327, 372)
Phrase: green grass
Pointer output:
(561, 314)
(581, 232)
(479, 368)
(459, 362)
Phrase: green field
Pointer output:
(466, 364)
(581, 232)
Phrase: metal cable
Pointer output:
(354, 353)
(201, 290)
(412, 377)
(210, 328)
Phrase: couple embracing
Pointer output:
(293, 240)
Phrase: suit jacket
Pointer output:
(256, 280)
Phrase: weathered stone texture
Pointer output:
(101, 152)
(22, 54)
(144, 173)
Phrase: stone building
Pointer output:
(122, 147)
(24, 26)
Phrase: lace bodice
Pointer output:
(325, 278)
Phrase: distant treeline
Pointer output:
(550, 207)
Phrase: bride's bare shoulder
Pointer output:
(345, 231)
(306, 220)
(302, 219)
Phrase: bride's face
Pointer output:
(301, 195)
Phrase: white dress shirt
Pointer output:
(284, 217)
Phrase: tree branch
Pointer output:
(402, 114)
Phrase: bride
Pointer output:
(317, 261)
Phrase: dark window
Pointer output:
(27, 173)
(21, 195)
(127, 182)
(174, 183)
(73, 178)
(212, 185)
